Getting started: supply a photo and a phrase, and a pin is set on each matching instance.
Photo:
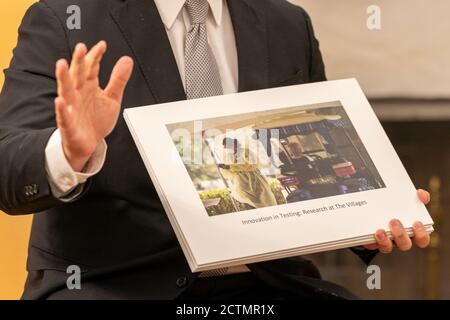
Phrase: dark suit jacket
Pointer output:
(117, 231)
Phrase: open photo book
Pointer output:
(274, 173)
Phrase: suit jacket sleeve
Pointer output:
(316, 64)
(27, 112)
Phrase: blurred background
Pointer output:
(14, 231)
(404, 69)
(403, 66)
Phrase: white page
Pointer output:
(214, 239)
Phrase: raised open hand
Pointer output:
(85, 113)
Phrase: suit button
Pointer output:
(31, 190)
(35, 189)
(182, 281)
(27, 191)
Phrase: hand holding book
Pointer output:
(401, 239)
(303, 169)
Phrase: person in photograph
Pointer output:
(248, 185)
(311, 166)
(67, 156)
(304, 164)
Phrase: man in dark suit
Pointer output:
(98, 209)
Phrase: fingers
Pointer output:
(119, 78)
(421, 236)
(64, 82)
(424, 196)
(401, 238)
(400, 235)
(385, 244)
(63, 116)
(78, 66)
(93, 59)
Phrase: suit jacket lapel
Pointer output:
(145, 33)
(141, 25)
(252, 45)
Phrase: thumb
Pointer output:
(119, 78)
(424, 196)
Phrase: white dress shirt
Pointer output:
(63, 179)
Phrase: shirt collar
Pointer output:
(170, 9)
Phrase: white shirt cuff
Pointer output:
(59, 171)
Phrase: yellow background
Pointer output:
(14, 231)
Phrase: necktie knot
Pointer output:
(197, 10)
